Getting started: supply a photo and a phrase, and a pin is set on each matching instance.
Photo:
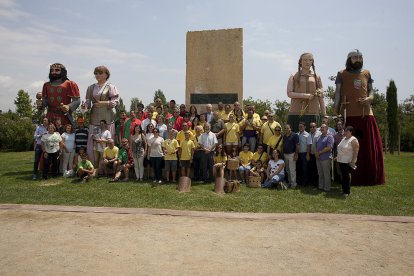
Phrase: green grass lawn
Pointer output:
(394, 198)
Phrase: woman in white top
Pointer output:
(156, 154)
(52, 147)
(162, 128)
(347, 156)
(138, 145)
(275, 170)
(68, 139)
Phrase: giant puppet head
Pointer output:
(58, 71)
(354, 61)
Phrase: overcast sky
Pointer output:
(143, 42)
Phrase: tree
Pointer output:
(120, 107)
(379, 108)
(260, 106)
(407, 124)
(23, 104)
(281, 110)
(159, 94)
(392, 113)
(134, 103)
(16, 132)
(37, 114)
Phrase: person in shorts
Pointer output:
(186, 151)
(170, 147)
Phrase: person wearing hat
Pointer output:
(306, 92)
(353, 97)
(60, 95)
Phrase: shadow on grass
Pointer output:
(22, 174)
(310, 190)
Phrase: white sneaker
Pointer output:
(159, 182)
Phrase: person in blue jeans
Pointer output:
(40, 130)
(275, 170)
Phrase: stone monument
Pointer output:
(214, 70)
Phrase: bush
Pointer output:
(16, 133)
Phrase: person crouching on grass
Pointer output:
(110, 157)
(220, 161)
(258, 170)
(125, 162)
(275, 170)
(85, 171)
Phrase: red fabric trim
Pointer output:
(370, 163)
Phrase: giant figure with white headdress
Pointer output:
(353, 97)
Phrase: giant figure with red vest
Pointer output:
(60, 95)
(353, 97)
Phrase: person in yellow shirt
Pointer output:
(110, 157)
(261, 155)
(181, 134)
(220, 160)
(194, 124)
(220, 109)
(268, 129)
(203, 120)
(231, 135)
(249, 127)
(197, 153)
(186, 152)
(225, 116)
(275, 141)
(170, 147)
(256, 116)
(245, 157)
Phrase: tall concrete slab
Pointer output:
(214, 69)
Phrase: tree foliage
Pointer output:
(159, 94)
(23, 104)
(392, 116)
(16, 132)
(407, 124)
(120, 107)
(281, 109)
(379, 108)
(134, 104)
(260, 105)
(37, 114)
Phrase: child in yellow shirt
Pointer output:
(245, 157)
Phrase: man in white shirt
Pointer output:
(100, 139)
(208, 142)
(305, 143)
(148, 121)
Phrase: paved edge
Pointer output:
(205, 214)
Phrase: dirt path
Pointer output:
(56, 240)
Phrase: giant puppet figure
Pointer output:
(101, 99)
(306, 93)
(60, 95)
(353, 97)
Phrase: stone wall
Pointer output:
(214, 67)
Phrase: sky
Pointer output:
(143, 42)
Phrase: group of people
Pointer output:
(165, 141)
